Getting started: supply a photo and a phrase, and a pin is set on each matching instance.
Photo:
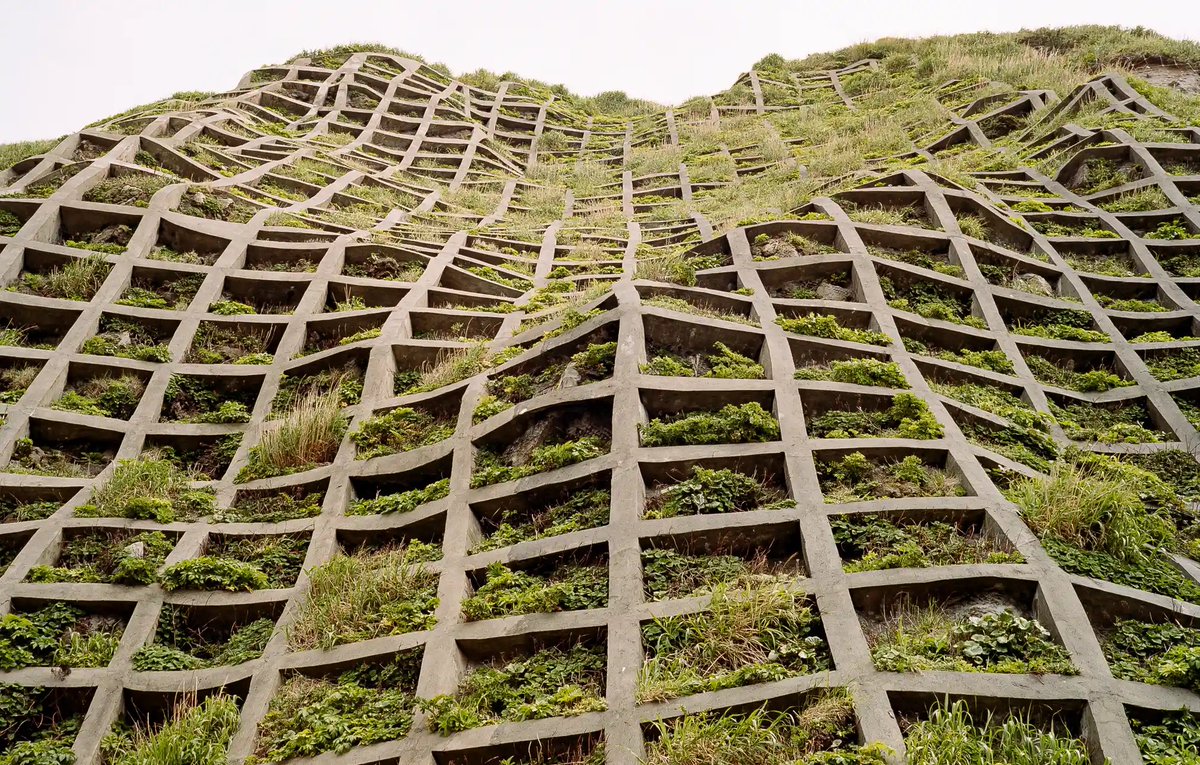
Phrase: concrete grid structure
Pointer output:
(378, 121)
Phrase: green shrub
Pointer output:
(149, 488)
(401, 502)
(307, 436)
(715, 491)
(490, 469)
(1178, 364)
(1064, 376)
(907, 417)
(855, 478)
(1088, 422)
(931, 301)
(732, 424)
(58, 635)
(400, 430)
(925, 639)
(672, 574)
(584, 510)
(828, 327)
(1171, 740)
(873, 543)
(552, 682)
(34, 730)
(210, 573)
(364, 705)
(883, 374)
(78, 279)
(108, 557)
(1159, 654)
(507, 592)
(178, 646)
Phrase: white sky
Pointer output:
(66, 63)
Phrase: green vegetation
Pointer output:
(724, 363)
(490, 467)
(873, 372)
(873, 543)
(703, 311)
(150, 488)
(1125, 424)
(15, 380)
(127, 339)
(240, 564)
(514, 524)
(907, 417)
(931, 301)
(115, 397)
(1063, 374)
(828, 327)
(571, 587)
(400, 430)
(12, 153)
(197, 733)
(455, 366)
(854, 478)
(993, 360)
(77, 279)
(1107, 519)
(344, 384)
(196, 399)
(732, 424)
(115, 557)
(401, 502)
(1177, 364)
(714, 491)
(1168, 741)
(1062, 325)
(58, 635)
(229, 344)
(174, 294)
(951, 735)
(1142, 200)
(551, 682)
(364, 705)
(752, 632)
(816, 734)
(1159, 654)
(593, 363)
(364, 595)
(950, 637)
(179, 645)
(670, 573)
(271, 507)
(35, 730)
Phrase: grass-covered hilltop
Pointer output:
(369, 413)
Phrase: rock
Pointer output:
(1034, 284)
(829, 291)
(778, 248)
(570, 377)
(135, 550)
(199, 199)
(124, 338)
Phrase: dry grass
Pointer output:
(308, 435)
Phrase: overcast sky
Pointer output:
(67, 63)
